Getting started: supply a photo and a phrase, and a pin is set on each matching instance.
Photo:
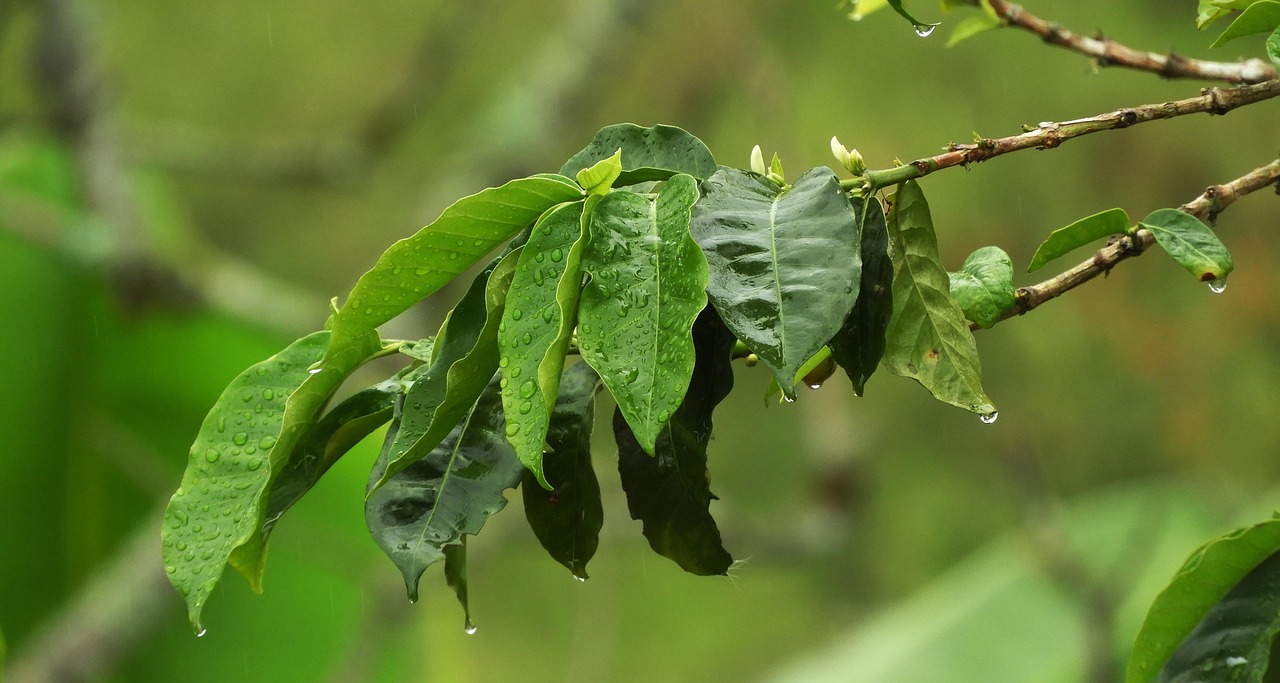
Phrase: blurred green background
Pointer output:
(183, 186)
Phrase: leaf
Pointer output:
(567, 519)
(822, 356)
(537, 324)
(1204, 579)
(450, 492)
(1208, 12)
(648, 282)
(984, 286)
(415, 267)
(648, 154)
(784, 265)
(466, 356)
(1191, 243)
(928, 338)
(599, 178)
(859, 344)
(1065, 240)
(1273, 47)
(670, 493)
(1259, 17)
(920, 26)
(971, 27)
(455, 575)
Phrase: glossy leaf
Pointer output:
(819, 359)
(928, 338)
(450, 492)
(1204, 579)
(920, 26)
(567, 519)
(417, 266)
(537, 324)
(670, 492)
(1065, 240)
(984, 286)
(784, 266)
(647, 284)
(455, 575)
(859, 345)
(1191, 243)
(648, 154)
(1259, 17)
(599, 178)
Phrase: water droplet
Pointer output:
(222, 424)
(512, 429)
(396, 271)
(202, 632)
(478, 243)
(469, 628)
(526, 408)
(539, 257)
(515, 372)
(664, 416)
(516, 314)
(170, 569)
(240, 438)
(527, 338)
(788, 399)
(1218, 286)
(266, 442)
(815, 385)
(254, 464)
(989, 418)
(504, 362)
(579, 579)
(421, 271)
(556, 255)
(314, 371)
(211, 455)
(368, 310)
(924, 30)
(527, 389)
(549, 314)
(268, 394)
(630, 375)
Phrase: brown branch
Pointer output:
(1106, 52)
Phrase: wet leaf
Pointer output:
(1065, 240)
(1204, 579)
(647, 284)
(599, 178)
(784, 265)
(1258, 17)
(984, 286)
(648, 154)
(919, 25)
(859, 345)
(455, 575)
(670, 492)
(567, 519)
(820, 359)
(1191, 243)
(928, 338)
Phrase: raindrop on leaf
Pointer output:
(989, 418)
(924, 30)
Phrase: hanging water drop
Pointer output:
(815, 385)
(925, 30)
(1218, 286)
(469, 628)
(202, 632)
(989, 418)
(579, 579)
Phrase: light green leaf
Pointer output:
(1259, 17)
(859, 345)
(857, 9)
(1273, 47)
(648, 154)
(784, 266)
(1206, 577)
(415, 267)
(1208, 12)
(928, 338)
(599, 178)
(820, 358)
(1065, 240)
(1191, 243)
(648, 283)
(455, 575)
(921, 27)
(984, 286)
(971, 27)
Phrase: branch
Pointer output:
(1110, 53)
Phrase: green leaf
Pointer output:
(599, 178)
(921, 27)
(648, 283)
(415, 267)
(1191, 243)
(822, 356)
(859, 345)
(466, 356)
(670, 493)
(455, 575)
(537, 324)
(784, 265)
(1065, 240)
(1206, 577)
(1273, 47)
(1208, 12)
(1259, 17)
(450, 492)
(972, 26)
(984, 286)
(928, 338)
(648, 154)
(567, 520)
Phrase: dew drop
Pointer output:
(526, 408)
(556, 255)
(202, 632)
(254, 464)
(516, 314)
(924, 30)
(314, 371)
(527, 338)
(815, 385)
(268, 394)
(548, 315)
(515, 372)
(211, 455)
(266, 442)
(579, 579)
(630, 375)
(469, 628)
(512, 429)
(170, 569)
(368, 310)
(788, 399)
(1218, 286)
(478, 243)
(539, 257)
(989, 418)
(421, 271)
(240, 438)
(527, 389)
(222, 424)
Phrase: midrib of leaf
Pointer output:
(444, 480)
(777, 278)
(657, 296)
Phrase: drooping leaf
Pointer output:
(417, 266)
(648, 283)
(449, 492)
(567, 519)
(1191, 243)
(1204, 579)
(784, 266)
(1258, 17)
(984, 286)
(670, 492)
(599, 178)
(928, 338)
(859, 345)
(1065, 240)
(648, 154)
(821, 358)
(920, 26)
(455, 575)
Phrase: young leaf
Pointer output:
(859, 344)
(568, 518)
(1259, 17)
(648, 283)
(921, 27)
(984, 286)
(971, 27)
(655, 153)
(784, 266)
(671, 492)
(1191, 243)
(599, 178)
(450, 492)
(455, 575)
(1209, 12)
(928, 338)
(1065, 240)
(417, 266)
(1273, 47)
(1204, 579)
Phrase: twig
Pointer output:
(1108, 52)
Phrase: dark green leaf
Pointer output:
(648, 283)
(1206, 577)
(455, 574)
(655, 153)
(1064, 240)
(567, 519)
(784, 265)
(671, 491)
(1258, 17)
(859, 344)
(1191, 243)
(921, 27)
(928, 338)
(984, 286)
